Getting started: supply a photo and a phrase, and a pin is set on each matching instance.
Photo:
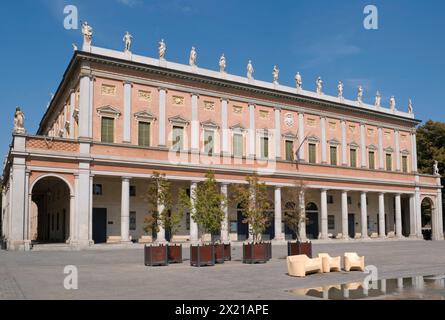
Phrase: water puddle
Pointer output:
(431, 287)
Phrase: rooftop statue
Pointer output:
(162, 49)
(392, 103)
(127, 40)
(250, 70)
(436, 168)
(298, 80)
(222, 63)
(378, 100)
(19, 121)
(275, 74)
(340, 89)
(87, 32)
(192, 60)
(360, 94)
(319, 84)
(410, 107)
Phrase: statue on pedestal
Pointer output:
(192, 60)
(392, 103)
(436, 168)
(275, 74)
(19, 121)
(87, 32)
(340, 89)
(319, 84)
(162, 49)
(378, 100)
(222, 64)
(127, 40)
(298, 81)
(250, 70)
(360, 94)
(410, 107)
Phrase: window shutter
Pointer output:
(144, 134)
(289, 150)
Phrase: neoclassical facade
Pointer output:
(117, 117)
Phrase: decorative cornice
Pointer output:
(108, 111)
(144, 115)
(334, 142)
(178, 120)
(209, 124)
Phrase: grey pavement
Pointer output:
(121, 273)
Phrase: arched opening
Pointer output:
(242, 228)
(311, 221)
(290, 210)
(50, 211)
(427, 218)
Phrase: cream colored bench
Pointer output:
(391, 234)
(330, 263)
(300, 265)
(354, 262)
(145, 239)
(114, 239)
(358, 235)
(374, 235)
(179, 238)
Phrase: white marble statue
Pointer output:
(340, 89)
(298, 81)
(19, 121)
(410, 106)
(319, 84)
(74, 47)
(250, 70)
(378, 100)
(193, 55)
(128, 38)
(87, 32)
(436, 168)
(162, 49)
(275, 74)
(222, 64)
(392, 103)
(360, 94)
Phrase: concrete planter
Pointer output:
(296, 248)
(202, 255)
(257, 252)
(156, 255)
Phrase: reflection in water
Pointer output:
(419, 287)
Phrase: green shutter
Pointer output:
(238, 145)
(333, 156)
(289, 150)
(371, 160)
(107, 130)
(405, 164)
(353, 156)
(144, 134)
(312, 153)
(388, 162)
(208, 142)
(265, 147)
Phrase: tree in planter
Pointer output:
(159, 195)
(294, 214)
(254, 203)
(208, 207)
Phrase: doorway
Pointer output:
(99, 225)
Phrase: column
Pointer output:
(363, 145)
(381, 158)
(323, 139)
(364, 214)
(418, 214)
(193, 224)
(83, 204)
(251, 131)
(324, 214)
(382, 233)
(414, 151)
(71, 116)
(398, 216)
(301, 136)
(344, 214)
(162, 117)
(344, 145)
(85, 107)
(125, 210)
(225, 223)
(440, 212)
(397, 143)
(278, 133)
(127, 112)
(160, 235)
(195, 124)
(302, 226)
(90, 211)
(224, 128)
(412, 216)
(278, 216)
(28, 201)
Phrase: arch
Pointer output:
(50, 209)
(311, 220)
(427, 221)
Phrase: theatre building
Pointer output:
(117, 117)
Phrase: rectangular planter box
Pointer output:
(156, 255)
(174, 253)
(296, 248)
(202, 255)
(223, 252)
(257, 252)
(227, 252)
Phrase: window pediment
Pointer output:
(405, 152)
(108, 111)
(372, 147)
(209, 124)
(389, 149)
(237, 127)
(144, 116)
(334, 142)
(179, 120)
(290, 136)
(354, 145)
(313, 138)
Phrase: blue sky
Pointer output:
(405, 57)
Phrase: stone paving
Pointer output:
(121, 274)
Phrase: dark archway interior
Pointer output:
(50, 211)
(427, 211)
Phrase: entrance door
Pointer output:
(99, 225)
(311, 221)
(243, 228)
(351, 225)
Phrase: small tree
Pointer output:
(208, 207)
(159, 195)
(294, 214)
(254, 203)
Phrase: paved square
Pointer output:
(121, 274)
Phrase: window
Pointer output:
(208, 142)
(238, 145)
(371, 158)
(333, 155)
(331, 222)
(349, 200)
(388, 162)
(107, 130)
(97, 189)
(132, 220)
(132, 191)
(264, 142)
(178, 138)
(289, 150)
(404, 164)
(353, 157)
(144, 134)
(330, 199)
(312, 153)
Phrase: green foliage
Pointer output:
(208, 208)
(254, 203)
(431, 146)
(294, 207)
(159, 195)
